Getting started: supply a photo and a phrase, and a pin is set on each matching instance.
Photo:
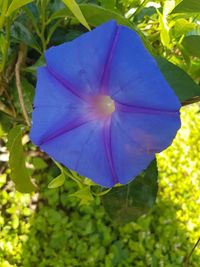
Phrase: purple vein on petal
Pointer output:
(66, 84)
(147, 110)
(67, 128)
(108, 150)
(108, 61)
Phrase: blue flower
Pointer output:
(102, 107)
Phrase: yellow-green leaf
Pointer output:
(74, 7)
(58, 181)
(84, 195)
(164, 30)
(16, 4)
(19, 173)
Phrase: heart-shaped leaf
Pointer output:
(127, 203)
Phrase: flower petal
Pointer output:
(134, 76)
(111, 149)
(136, 137)
(81, 62)
(82, 150)
(54, 106)
(52, 93)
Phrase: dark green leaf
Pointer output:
(182, 84)
(19, 173)
(191, 6)
(192, 44)
(22, 34)
(96, 15)
(127, 203)
(33, 14)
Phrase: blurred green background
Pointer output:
(50, 227)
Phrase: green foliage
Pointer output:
(127, 203)
(21, 33)
(109, 4)
(95, 15)
(192, 44)
(75, 9)
(84, 195)
(182, 82)
(58, 181)
(19, 173)
(15, 5)
(191, 6)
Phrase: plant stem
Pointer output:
(186, 260)
(18, 83)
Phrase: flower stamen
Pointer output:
(103, 105)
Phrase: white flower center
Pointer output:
(104, 105)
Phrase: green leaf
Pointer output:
(97, 15)
(84, 195)
(182, 84)
(192, 45)
(191, 6)
(164, 30)
(110, 4)
(3, 9)
(19, 173)
(58, 181)
(127, 203)
(182, 26)
(74, 7)
(39, 163)
(69, 173)
(39, 63)
(16, 4)
(22, 34)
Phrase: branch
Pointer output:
(20, 60)
(187, 258)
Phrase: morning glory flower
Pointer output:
(102, 107)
